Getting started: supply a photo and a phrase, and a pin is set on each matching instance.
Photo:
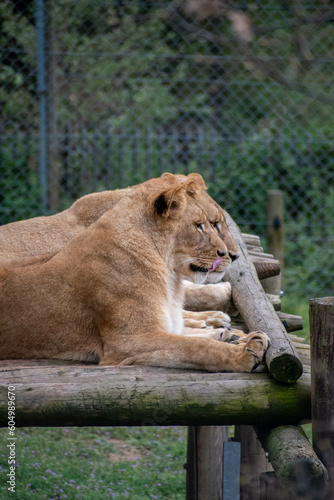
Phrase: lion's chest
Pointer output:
(173, 316)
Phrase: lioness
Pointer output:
(47, 235)
(113, 294)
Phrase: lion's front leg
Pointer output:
(216, 297)
(177, 351)
(204, 333)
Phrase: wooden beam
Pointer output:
(66, 394)
(258, 313)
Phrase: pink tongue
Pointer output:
(216, 264)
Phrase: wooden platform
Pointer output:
(58, 393)
(55, 393)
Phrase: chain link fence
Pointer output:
(100, 95)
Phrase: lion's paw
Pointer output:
(218, 319)
(255, 348)
(233, 336)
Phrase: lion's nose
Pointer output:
(234, 256)
(221, 254)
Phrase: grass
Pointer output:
(97, 463)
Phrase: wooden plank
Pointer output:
(99, 395)
(258, 313)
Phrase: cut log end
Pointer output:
(286, 368)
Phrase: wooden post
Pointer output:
(205, 462)
(322, 386)
(275, 228)
(253, 461)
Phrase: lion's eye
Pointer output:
(199, 227)
(216, 227)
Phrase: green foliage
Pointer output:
(19, 183)
(146, 87)
(238, 176)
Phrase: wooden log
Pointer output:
(296, 464)
(272, 285)
(205, 445)
(258, 313)
(322, 369)
(96, 395)
(291, 322)
(251, 239)
(275, 301)
(265, 268)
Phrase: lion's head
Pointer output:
(196, 188)
(200, 251)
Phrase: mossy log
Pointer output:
(296, 464)
(72, 394)
(258, 313)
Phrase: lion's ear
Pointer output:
(192, 189)
(170, 204)
(198, 179)
(169, 177)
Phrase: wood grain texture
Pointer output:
(63, 395)
(322, 369)
(295, 462)
(258, 313)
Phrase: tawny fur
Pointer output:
(111, 295)
(48, 235)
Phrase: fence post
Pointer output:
(52, 93)
(275, 225)
(41, 90)
(322, 387)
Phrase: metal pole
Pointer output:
(41, 92)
